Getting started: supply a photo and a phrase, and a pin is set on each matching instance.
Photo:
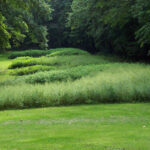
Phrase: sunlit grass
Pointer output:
(82, 79)
(69, 61)
(67, 52)
(97, 127)
(4, 63)
(122, 83)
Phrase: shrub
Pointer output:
(32, 53)
(30, 70)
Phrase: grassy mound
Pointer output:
(68, 74)
(51, 52)
(73, 79)
(30, 70)
(60, 61)
(128, 83)
(67, 51)
(32, 53)
(64, 75)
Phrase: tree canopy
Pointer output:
(23, 23)
(110, 26)
(116, 27)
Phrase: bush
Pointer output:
(67, 51)
(30, 70)
(32, 53)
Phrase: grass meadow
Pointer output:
(104, 101)
(86, 127)
(58, 79)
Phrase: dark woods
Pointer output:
(109, 26)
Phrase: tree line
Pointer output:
(110, 26)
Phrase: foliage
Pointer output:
(32, 53)
(64, 75)
(58, 32)
(61, 61)
(23, 62)
(4, 35)
(120, 28)
(51, 52)
(79, 79)
(24, 23)
(98, 26)
(110, 26)
(30, 70)
(67, 51)
(128, 83)
(141, 11)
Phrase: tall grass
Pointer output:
(65, 74)
(128, 83)
(60, 61)
(43, 76)
(74, 79)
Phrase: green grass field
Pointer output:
(96, 127)
(4, 63)
(117, 116)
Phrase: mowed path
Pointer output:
(87, 127)
(4, 63)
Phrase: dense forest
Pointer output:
(109, 26)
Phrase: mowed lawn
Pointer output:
(4, 63)
(87, 127)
